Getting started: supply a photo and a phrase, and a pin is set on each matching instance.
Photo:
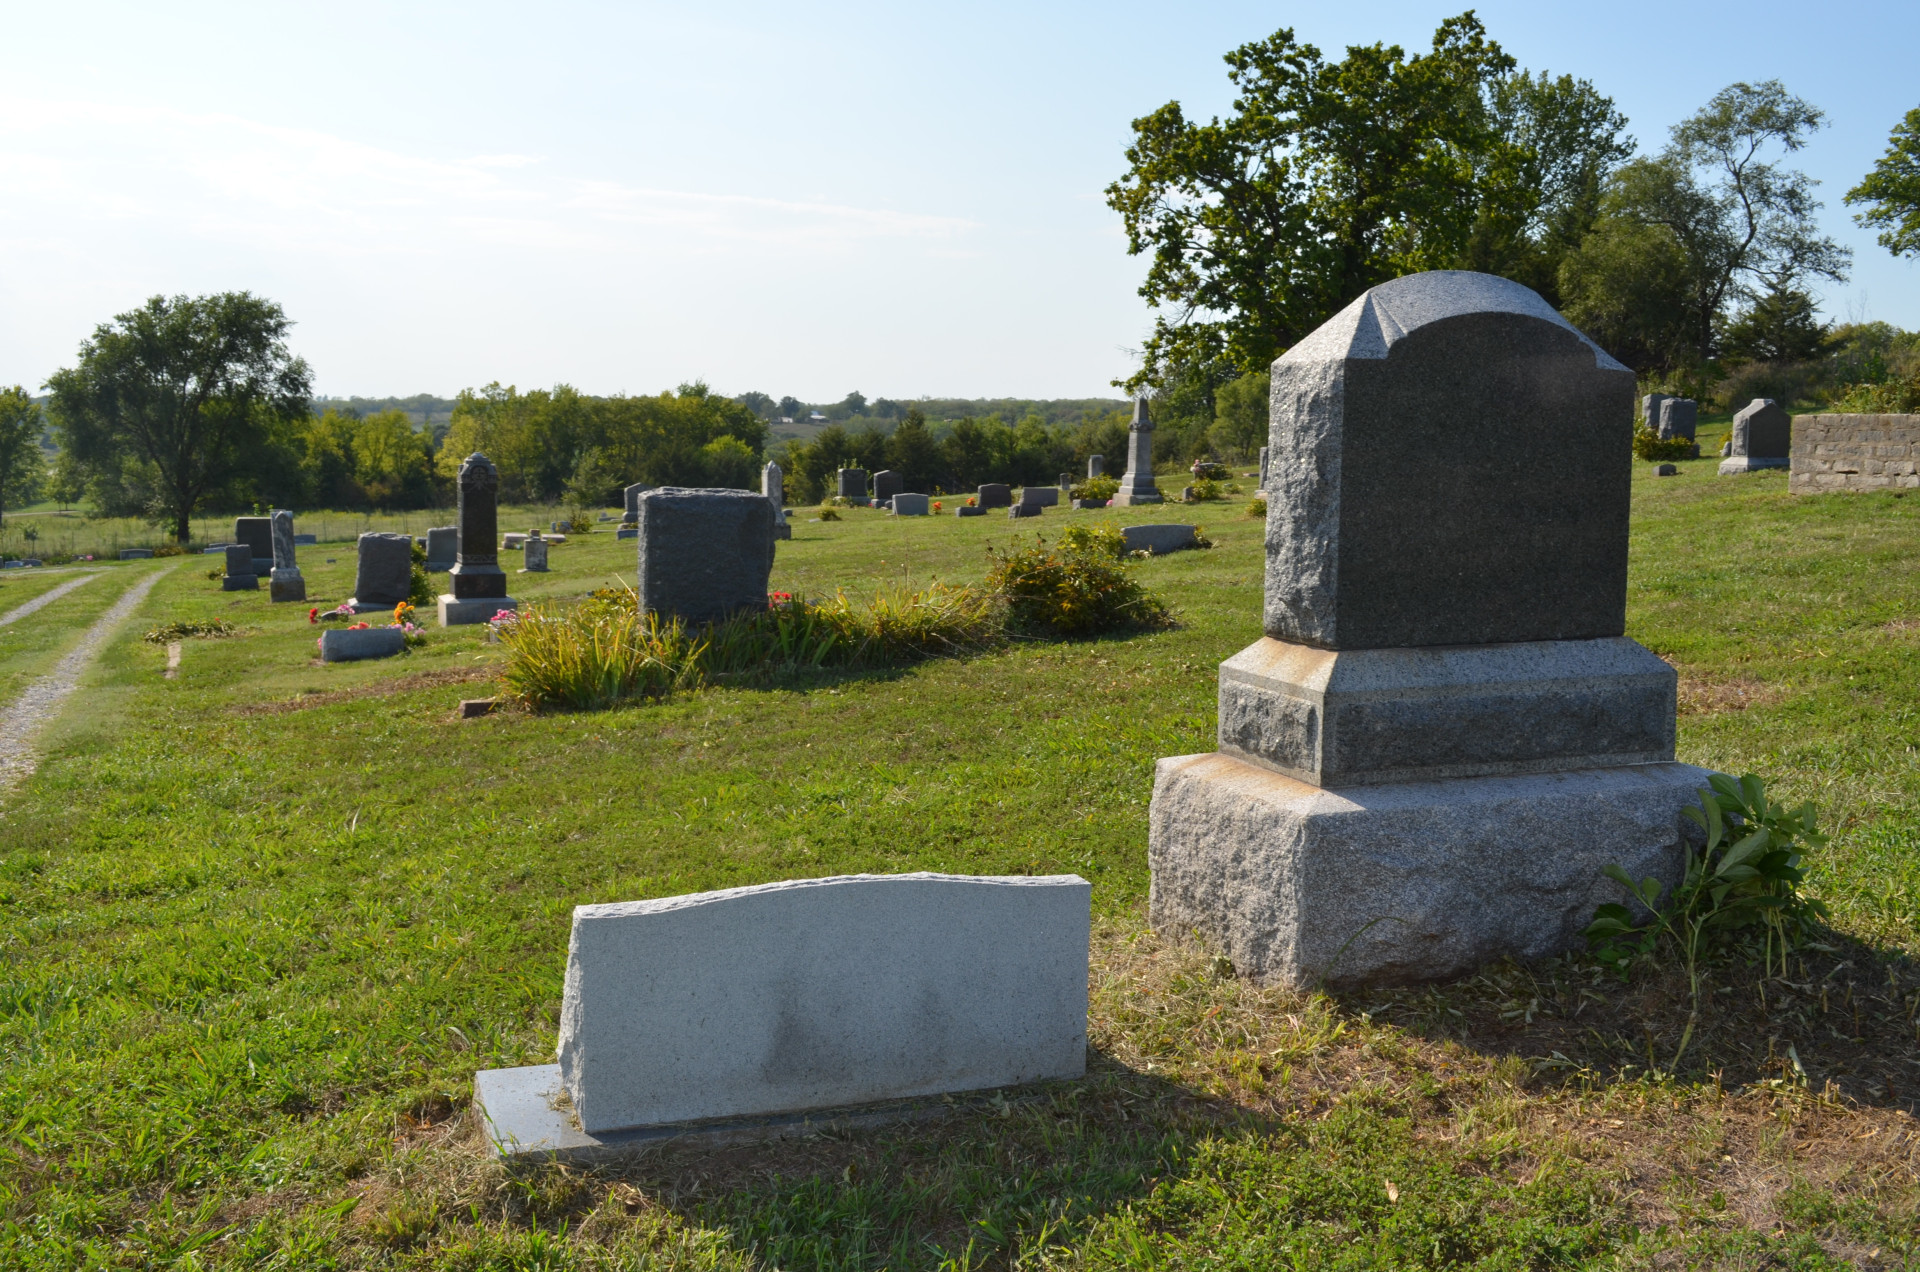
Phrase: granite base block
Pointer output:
(351, 644)
(1360, 716)
(1750, 464)
(286, 585)
(1134, 498)
(528, 1117)
(455, 612)
(1401, 882)
(240, 583)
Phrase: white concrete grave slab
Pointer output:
(808, 1001)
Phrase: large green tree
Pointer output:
(1741, 222)
(1891, 192)
(20, 462)
(1330, 177)
(183, 390)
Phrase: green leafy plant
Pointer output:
(1889, 397)
(1100, 488)
(1746, 872)
(828, 514)
(1649, 445)
(420, 583)
(1257, 507)
(169, 549)
(1083, 587)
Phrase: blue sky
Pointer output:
(802, 199)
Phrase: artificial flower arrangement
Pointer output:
(402, 618)
(936, 505)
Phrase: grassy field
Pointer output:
(262, 922)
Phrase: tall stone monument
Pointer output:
(479, 584)
(1137, 486)
(1444, 735)
(285, 582)
(773, 486)
(1762, 438)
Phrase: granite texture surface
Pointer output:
(819, 993)
(1352, 717)
(384, 576)
(704, 554)
(1405, 881)
(851, 483)
(910, 505)
(994, 494)
(1399, 512)
(1761, 430)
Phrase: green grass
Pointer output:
(262, 923)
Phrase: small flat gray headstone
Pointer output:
(822, 993)
(136, 554)
(340, 644)
(1159, 539)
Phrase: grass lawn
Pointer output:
(262, 922)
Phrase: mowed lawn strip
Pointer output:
(263, 922)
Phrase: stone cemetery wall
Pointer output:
(1854, 452)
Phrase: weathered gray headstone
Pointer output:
(1678, 417)
(478, 586)
(285, 583)
(1400, 756)
(384, 574)
(994, 495)
(910, 505)
(1762, 438)
(887, 484)
(1096, 465)
(1065, 483)
(1137, 486)
(257, 534)
(1650, 411)
(773, 488)
(964, 511)
(341, 644)
(633, 494)
(443, 548)
(704, 554)
(239, 575)
(1159, 539)
(1043, 496)
(535, 560)
(1019, 510)
(851, 483)
(136, 554)
(810, 995)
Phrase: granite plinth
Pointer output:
(344, 644)
(286, 585)
(1019, 510)
(1396, 514)
(626, 534)
(704, 554)
(1735, 464)
(965, 511)
(821, 993)
(1357, 717)
(240, 583)
(457, 611)
(1406, 881)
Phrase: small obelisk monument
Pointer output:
(479, 584)
(1137, 486)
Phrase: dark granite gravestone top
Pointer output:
(994, 495)
(476, 574)
(851, 483)
(1762, 430)
(240, 560)
(443, 548)
(887, 484)
(257, 534)
(632, 497)
(385, 569)
(1402, 509)
(704, 554)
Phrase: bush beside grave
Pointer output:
(1099, 489)
(1082, 587)
(1650, 446)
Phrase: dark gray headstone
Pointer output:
(851, 483)
(1397, 516)
(995, 495)
(1066, 481)
(1040, 496)
(1678, 417)
(887, 484)
(240, 561)
(1650, 411)
(704, 554)
(633, 494)
(534, 559)
(1762, 430)
(443, 548)
(257, 534)
(385, 573)
(476, 573)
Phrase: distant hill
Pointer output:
(884, 413)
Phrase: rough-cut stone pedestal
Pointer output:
(1404, 881)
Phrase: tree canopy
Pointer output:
(20, 462)
(1330, 177)
(1891, 192)
(170, 401)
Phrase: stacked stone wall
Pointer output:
(1854, 452)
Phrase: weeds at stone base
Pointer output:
(166, 633)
